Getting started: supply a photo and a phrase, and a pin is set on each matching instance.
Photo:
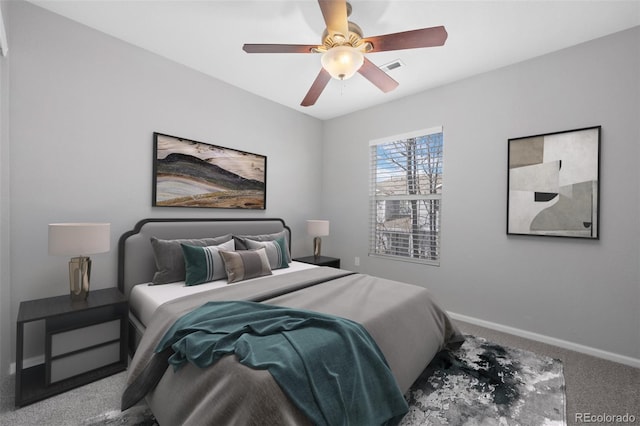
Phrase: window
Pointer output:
(405, 197)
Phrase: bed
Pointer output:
(406, 324)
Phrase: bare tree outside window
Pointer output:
(406, 189)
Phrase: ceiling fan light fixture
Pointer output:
(342, 62)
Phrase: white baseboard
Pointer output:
(599, 353)
(26, 363)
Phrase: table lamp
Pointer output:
(79, 240)
(317, 229)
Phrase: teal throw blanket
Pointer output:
(329, 367)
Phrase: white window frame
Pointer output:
(374, 207)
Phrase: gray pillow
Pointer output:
(170, 260)
(242, 265)
(241, 241)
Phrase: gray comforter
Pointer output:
(408, 326)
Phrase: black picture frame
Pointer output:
(188, 173)
(553, 184)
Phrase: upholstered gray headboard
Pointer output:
(136, 263)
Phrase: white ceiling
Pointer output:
(483, 35)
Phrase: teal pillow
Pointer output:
(204, 264)
(276, 251)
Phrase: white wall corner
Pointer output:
(4, 45)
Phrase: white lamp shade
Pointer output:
(318, 228)
(74, 239)
(342, 62)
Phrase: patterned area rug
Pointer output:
(139, 415)
(481, 383)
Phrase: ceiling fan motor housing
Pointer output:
(353, 39)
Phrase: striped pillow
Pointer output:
(170, 260)
(241, 240)
(276, 251)
(204, 264)
(245, 264)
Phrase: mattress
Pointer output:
(145, 298)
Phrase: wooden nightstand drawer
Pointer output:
(85, 337)
(81, 362)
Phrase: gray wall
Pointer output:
(83, 108)
(5, 293)
(583, 292)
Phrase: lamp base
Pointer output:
(317, 245)
(79, 273)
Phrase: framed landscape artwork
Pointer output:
(553, 184)
(187, 173)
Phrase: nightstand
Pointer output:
(84, 341)
(320, 261)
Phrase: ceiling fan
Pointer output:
(344, 46)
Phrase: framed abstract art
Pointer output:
(188, 173)
(554, 184)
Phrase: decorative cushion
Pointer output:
(245, 264)
(241, 241)
(204, 264)
(170, 260)
(276, 251)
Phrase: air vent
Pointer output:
(392, 65)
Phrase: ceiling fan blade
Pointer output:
(378, 77)
(425, 37)
(316, 88)
(278, 48)
(335, 16)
